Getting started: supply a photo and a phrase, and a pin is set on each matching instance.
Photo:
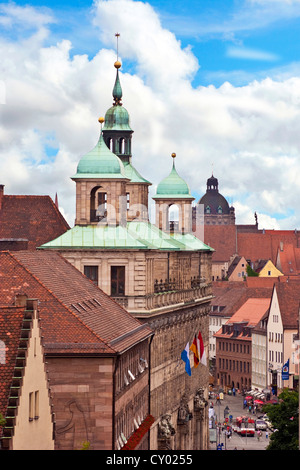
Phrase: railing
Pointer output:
(165, 298)
(171, 285)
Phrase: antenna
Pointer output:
(117, 36)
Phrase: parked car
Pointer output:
(261, 425)
(268, 422)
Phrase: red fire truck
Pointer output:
(245, 426)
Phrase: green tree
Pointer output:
(284, 417)
(251, 272)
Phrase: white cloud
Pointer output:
(250, 54)
(250, 134)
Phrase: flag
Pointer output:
(194, 348)
(185, 356)
(198, 350)
(285, 370)
(202, 355)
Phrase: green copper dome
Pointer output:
(173, 186)
(100, 163)
(117, 117)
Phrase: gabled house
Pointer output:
(282, 334)
(265, 268)
(97, 354)
(24, 388)
(237, 270)
(234, 345)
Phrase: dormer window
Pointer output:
(207, 210)
(220, 210)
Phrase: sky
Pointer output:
(215, 81)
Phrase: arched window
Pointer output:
(98, 204)
(173, 216)
(122, 146)
(220, 210)
(207, 210)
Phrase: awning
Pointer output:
(137, 436)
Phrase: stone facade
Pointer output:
(175, 312)
(92, 403)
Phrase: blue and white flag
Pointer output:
(185, 356)
(285, 370)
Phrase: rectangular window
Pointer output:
(31, 406)
(102, 200)
(36, 404)
(117, 280)
(91, 272)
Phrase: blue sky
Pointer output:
(215, 81)
(235, 40)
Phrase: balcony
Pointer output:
(162, 299)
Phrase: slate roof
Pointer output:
(33, 219)
(76, 316)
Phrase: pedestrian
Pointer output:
(267, 435)
(245, 403)
(233, 391)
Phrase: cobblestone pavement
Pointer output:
(237, 442)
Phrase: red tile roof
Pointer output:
(32, 218)
(288, 259)
(289, 302)
(251, 312)
(230, 296)
(11, 321)
(228, 240)
(222, 238)
(76, 316)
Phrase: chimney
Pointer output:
(1, 194)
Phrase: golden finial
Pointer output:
(101, 121)
(173, 155)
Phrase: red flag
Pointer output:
(202, 355)
(195, 350)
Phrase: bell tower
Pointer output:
(173, 204)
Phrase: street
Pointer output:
(236, 442)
